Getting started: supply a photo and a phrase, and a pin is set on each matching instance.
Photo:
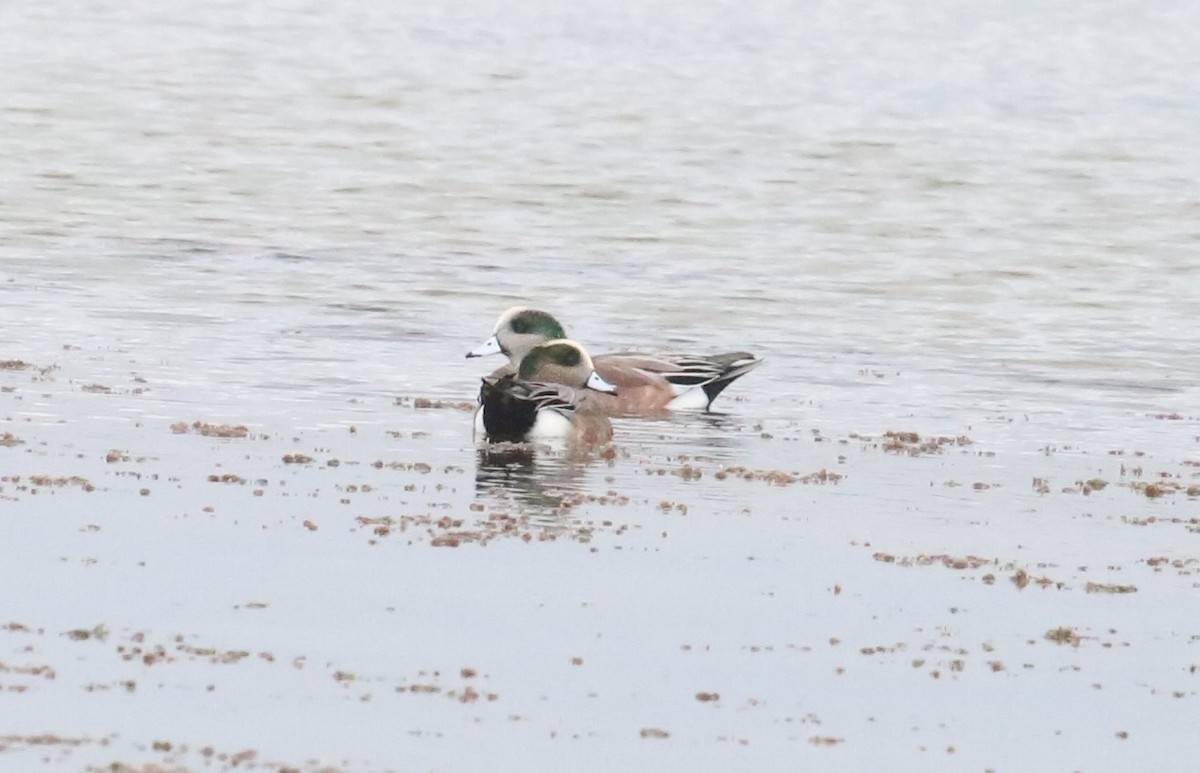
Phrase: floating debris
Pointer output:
(426, 403)
(1108, 587)
(825, 740)
(210, 430)
(1062, 635)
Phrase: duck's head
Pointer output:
(562, 362)
(519, 330)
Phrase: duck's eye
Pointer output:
(531, 322)
(567, 355)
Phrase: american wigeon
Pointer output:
(644, 383)
(549, 397)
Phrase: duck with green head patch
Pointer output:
(646, 383)
(517, 331)
(550, 397)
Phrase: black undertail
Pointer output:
(714, 388)
(712, 373)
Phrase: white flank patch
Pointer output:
(691, 399)
(550, 424)
(480, 431)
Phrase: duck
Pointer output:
(549, 397)
(644, 383)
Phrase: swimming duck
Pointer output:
(549, 397)
(644, 383)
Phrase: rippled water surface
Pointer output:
(973, 228)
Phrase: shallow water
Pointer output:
(297, 219)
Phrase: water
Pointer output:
(949, 220)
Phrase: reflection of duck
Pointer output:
(537, 481)
(549, 398)
(644, 382)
